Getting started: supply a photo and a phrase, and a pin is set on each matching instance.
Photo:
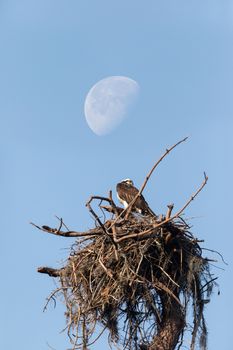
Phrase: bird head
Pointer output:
(128, 182)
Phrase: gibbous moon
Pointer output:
(108, 102)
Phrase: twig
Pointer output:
(161, 286)
(215, 251)
(207, 283)
(192, 197)
(63, 224)
(105, 269)
(110, 209)
(52, 296)
(112, 203)
(92, 232)
(169, 211)
(157, 163)
(169, 277)
(88, 205)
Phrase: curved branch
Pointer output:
(157, 163)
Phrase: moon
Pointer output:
(108, 102)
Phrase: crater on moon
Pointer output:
(108, 102)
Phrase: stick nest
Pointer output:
(135, 276)
(130, 278)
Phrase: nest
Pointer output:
(136, 277)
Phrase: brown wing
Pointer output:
(141, 204)
(126, 192)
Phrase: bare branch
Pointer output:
(192, 197)
(157, 163)
(62, 222)
(169, 211)
(88, 205)
(50, 271)
(92, 232)
(110, 209)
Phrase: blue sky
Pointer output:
(51, 53)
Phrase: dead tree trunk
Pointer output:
(171, 327)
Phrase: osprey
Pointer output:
(126, 192)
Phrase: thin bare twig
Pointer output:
(88, 205)
(215, 251)
(108, 272)
(62, 222)
(157, 163)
